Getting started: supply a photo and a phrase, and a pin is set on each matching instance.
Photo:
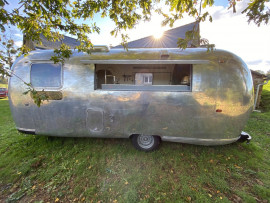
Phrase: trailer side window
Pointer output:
(46, 75)
(143, 77)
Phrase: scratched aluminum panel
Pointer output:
(235, 95)
(185, 114)
(176, 116)
(20, 104)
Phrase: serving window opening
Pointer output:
(143, 77)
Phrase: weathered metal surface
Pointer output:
(188, 117)
(173, 88)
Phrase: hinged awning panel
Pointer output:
(144, 61)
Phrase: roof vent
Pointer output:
(100, 48)
(164, 55)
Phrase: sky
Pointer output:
(228, 31)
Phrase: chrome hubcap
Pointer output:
(145, 141)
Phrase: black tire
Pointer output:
(145, 143)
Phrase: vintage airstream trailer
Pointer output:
(149, 95)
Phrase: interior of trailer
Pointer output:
(152, 77)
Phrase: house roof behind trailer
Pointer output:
(167, 40)
(45, 44)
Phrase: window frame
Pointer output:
(47, 87)
(148, 82)
(145, 88)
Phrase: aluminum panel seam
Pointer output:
(144, 62)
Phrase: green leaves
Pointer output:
(207, 3)
(258, 12)
(7, 53)
(191, 38)
(61, 54)
(35, 17)
(37, 96)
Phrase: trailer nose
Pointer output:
(244, 137)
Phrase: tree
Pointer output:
(268, 73)
(260, 71)
(53, 17)
(8, 53)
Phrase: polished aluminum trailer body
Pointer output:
(213, 112)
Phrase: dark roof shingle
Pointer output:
(71, 42)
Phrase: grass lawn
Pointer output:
(41, 169)
(4, 85)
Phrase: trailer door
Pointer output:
(204, 94)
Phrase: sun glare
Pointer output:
(158, 34)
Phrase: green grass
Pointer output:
(4, 85)
(265, 103)
(42, 169)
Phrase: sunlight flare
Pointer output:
(158, 34)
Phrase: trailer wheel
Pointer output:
(145, 143)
